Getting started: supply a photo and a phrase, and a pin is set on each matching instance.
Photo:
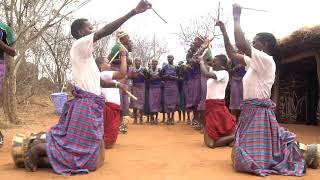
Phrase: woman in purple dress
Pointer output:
(170, 90)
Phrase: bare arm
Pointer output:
(121, 86)
(117, 75)
(105, 84)
(111, 27)
(241, 41)
(10, 50)
(204, 70)
(232, 54)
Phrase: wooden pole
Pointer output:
(131, 95)
(219, 11)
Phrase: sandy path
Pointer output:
(154, 153)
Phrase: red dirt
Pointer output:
(152, 153)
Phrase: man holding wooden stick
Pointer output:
(75, 144)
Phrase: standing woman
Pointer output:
(146, 92)
(181, 84)
(170, 89)
(138, 87)
(154, 92)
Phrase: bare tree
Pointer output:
(57, 63)
(102, 46)
(29, 20)
(203, 25)
(148, 48)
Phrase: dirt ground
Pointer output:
(151, 153)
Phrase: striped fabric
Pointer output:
(154, 98)
(74, 143)
(262, 147)
(138, 90)
(170, 96)
(2, 73)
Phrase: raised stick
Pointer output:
(131, 95)
(117, 53)
(158, 15)
(114, 57)
(253, 9)
(219, 11)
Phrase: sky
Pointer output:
(284, 17)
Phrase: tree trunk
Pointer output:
(9, 92)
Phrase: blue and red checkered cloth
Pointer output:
(73, 144)
(263, 147)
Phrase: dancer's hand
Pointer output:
(123, 50)
(236, 10)
(123, 87)
(222, 26)
(143, 6)
(205, 44)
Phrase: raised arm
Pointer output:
(241, 42)
(232, 54)
(111, 27)
(204, 70)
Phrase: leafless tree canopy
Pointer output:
(203, 25)
(29, 19)
(148, 48)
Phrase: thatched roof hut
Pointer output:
(301, 43)
(296, 89)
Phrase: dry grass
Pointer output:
(30, 111)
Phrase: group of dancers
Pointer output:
(89, 122)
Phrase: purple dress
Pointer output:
(154, 92)
(188, 90)
(2, 72)
(138, 90)
(236, 95)
(170, 90)
(201, 106)
(196, 84)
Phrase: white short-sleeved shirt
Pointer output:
(260, 76)
(216, 88)
(85, 72)
(111, 95)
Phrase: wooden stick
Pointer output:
(254, 9)
(131, 95)
(219, 11)
(114, 57)
(158, 15)
(117, 53)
